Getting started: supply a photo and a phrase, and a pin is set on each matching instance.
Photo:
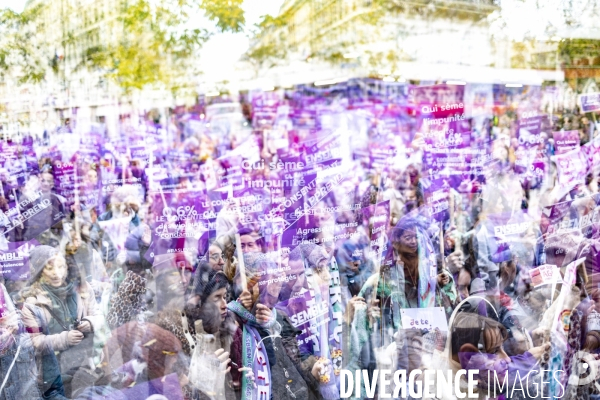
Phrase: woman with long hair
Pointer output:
(61, 313)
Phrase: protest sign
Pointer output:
(565, 141)
(14, 260)
(590, 102)
(544, 275)
(431, 318)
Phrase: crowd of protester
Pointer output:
(181, 261)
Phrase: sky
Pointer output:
(16, 5)
(219, 55)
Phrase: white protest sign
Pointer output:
(571, 271)
(545, 274)
(430, 318)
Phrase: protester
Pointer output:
(344, 229)
(61, 313)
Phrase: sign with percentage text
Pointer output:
(179, 222)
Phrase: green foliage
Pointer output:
(20, 53)
(227, 14)
(266, 55)
(160, 40)
(151, 43)
(571, 49)
(270, 40)
(153, 48)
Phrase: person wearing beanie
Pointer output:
(60, 312)
(83, 259)
(207, 281)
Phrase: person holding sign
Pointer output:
(255, 352)
(61, 312)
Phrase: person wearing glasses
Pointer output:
(215, 257)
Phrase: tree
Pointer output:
(270, 38)
(159, 40)
(21, 54)
(151, 42)
(576, 50)
(227, 14)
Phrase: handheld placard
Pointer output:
(442, 247)
(241, 266)
(18, 208)
(123, 159)
(451, 206)
(77, 208)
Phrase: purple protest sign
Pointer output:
(382, 156)
(65, 177)
(89, 152)
(506, 231)
(304, 312)
(590, 102)
(565, 141)
(179, 220)
(568, 226)
(572, 168)
(19, 161)
(233, 172)
(33, 214)
(437, 195)
(160, 179)
(528, 132)
(453, 165)
(530, 165)
(118, 145)
(378, 221)
(592, 152)
(167, 387)
(139, 152)
(479, 100)
(305, 213)
(438, 101)
(14, 260)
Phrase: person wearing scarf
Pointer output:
(255, 321)
(60, 312)
(408, 278)
(255, 357)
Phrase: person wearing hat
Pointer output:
(60, 312)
